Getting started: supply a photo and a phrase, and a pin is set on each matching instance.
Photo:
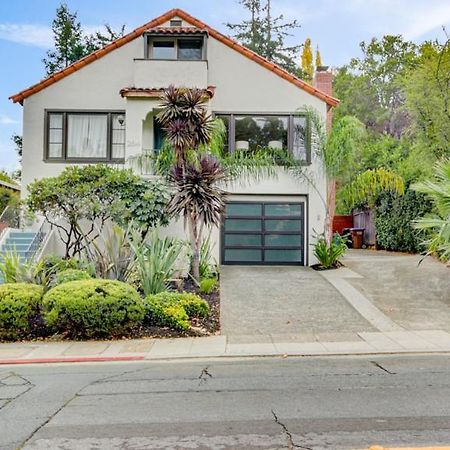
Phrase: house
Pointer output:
(102, 109)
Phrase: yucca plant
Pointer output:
(329, 253)
(199, 199)
(438, 190)
(154, 259)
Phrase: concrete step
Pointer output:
(22, 234)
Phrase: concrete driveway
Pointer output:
(283, 300)
(376, 291)
(416, 297)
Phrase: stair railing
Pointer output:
(38, 240)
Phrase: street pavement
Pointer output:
(253, 403)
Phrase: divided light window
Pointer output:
(80, 136)
(186, 49)
(245, 132)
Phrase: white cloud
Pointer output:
(422, 22)
(5, 120)
(29, 34)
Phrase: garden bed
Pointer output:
(207, 326)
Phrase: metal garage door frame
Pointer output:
(267, 199)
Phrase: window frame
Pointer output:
(150, 38)
(65, 113)
(289, 116)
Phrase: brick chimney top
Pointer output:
(323, 80)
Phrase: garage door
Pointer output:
(263, 233)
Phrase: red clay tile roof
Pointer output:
(176, 30)
(331, 101)
(156, 92)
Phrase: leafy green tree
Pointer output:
(266, 35)
(82, 200)
(371, 86)
(427, 90)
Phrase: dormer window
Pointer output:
(176, 43)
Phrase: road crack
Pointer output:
(383, 368)
(204, 375)
(290, 441)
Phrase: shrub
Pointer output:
(92, 308)
(207, 285)
(329, 254)
(174, 309)
(394, 221)
(19, 302)
(71, 275)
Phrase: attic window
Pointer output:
(181, 48)
(176, 23)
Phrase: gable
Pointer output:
(159, 21)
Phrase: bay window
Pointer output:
(91, 136)
(248, 132)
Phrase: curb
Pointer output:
(79, 359)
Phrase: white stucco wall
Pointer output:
(242, 86)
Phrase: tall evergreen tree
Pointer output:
(266, 35)
(68, 41)
(307, 62)
(71, 43)
(318, 58)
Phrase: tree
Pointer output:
(266, 34)
(307, 61)
(427, 90)
(370, 87)
(185, 120)
(318, 58)
(70, 41)
(199, 199)
(188, 128)
(82, 200)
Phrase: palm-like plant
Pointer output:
(439, 224)
(199, 198)
(185, 119)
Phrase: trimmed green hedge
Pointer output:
(71, 275)
(92, 308)
(174, 309)
(19, 303)
(393, 221)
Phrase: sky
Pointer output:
(336, 26)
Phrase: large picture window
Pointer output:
(245, 132)
(79, 136)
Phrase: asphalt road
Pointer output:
(273, 403)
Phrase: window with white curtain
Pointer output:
(78, 136)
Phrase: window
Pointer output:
(76, 136)
(180, 48)
(176, 23)
(164, 50)
(190, 49)
(245, 132)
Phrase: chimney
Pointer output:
(323, 80)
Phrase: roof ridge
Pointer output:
(19, 97)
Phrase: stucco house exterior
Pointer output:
(102, 109)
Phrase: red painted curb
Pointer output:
(71, 360)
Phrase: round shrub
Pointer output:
(174, 309)
(19, 302)
(71, 275)
(92, 308)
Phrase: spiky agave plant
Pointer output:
(199, 198)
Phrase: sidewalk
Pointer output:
(364, 343)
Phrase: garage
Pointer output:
(263, 232)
